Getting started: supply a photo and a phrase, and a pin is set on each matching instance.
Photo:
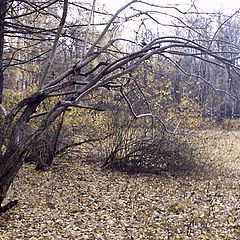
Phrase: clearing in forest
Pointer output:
(76, 200)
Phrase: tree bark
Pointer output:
(19, 140)
(3, 10)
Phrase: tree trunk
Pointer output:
(17, 144)
(13, 161)
(49, 145)
(3, 9)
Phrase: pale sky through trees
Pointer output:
(208, 5)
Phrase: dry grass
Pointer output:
(79, 201)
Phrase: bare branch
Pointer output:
(218, 29)
(136, 116)
(70, 104)
(88, 28)
(3, 111)
(103, 33)
(52, 55)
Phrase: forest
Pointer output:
(119, 125)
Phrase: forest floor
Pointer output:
(75, 200)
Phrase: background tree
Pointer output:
(3, 10)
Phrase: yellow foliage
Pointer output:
(188, 113)
(176, 207)
(86, 122)
(13, 96)
(232, 124)
(81, 120)
(202, 237)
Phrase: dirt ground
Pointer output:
(75, 200)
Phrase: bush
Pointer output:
(142, 146)
(164, 154)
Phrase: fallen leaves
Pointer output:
(79, 201)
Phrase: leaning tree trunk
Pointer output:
(15, 139)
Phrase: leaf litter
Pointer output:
(75, 200)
